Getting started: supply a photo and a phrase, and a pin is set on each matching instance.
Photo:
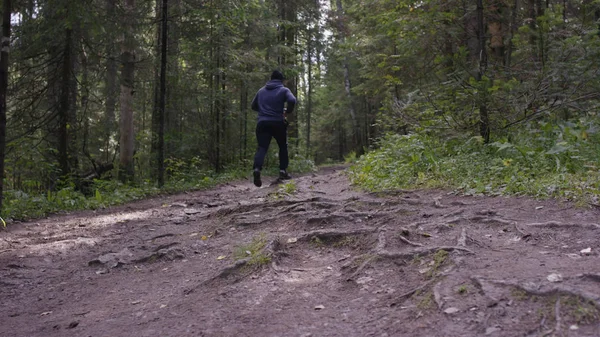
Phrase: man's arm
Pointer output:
(291, 102)
(254, 104)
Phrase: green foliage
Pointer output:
(542, 160)
(254, 251)
(20, 205)
(289, 187)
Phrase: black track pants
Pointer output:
(264, 132)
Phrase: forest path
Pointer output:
(323, 260)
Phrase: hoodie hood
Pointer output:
(274, 84)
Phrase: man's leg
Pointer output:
(280, 134)
(263, 137)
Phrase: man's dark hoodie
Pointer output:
(270, 99)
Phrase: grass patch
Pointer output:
(254, 251)
(542, 160)
(180, 177)
(439, 258)
(426, 301)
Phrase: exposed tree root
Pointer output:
(328, 235)
(455, 213)
(557, 317)
(381, 241)
(412, 292)
(395, 192)
(462, 239)
(269, 252)
(363, 265)
(328, 219)
(593, 277)
(437, 296)
(557, 224)
(422, 251)
(556, 290)
(264, 205)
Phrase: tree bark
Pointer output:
(347, 84)
(111, 90)
(160, 164)
(4, 52)
(484, 123)
(512, 29)
(67, 111)
(309, 93)
(126, 142)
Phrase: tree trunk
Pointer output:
(126, 142)
(111, 90)
(173, 125)
(309, 94)
(162, 97)
(67, 119)
(347, 83)
(512, 29)
(484, 124)
(6, 12)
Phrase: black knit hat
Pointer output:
(277, 75)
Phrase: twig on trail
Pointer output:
(557, 315)
(455, 213)
(424, 251)
(556, 290)
(462, 239)
(408, 242)
(557, 224)
(361, 267)
(493, 221)
(548, 333)
(535, 332)
(411, 292)
(436, 295)
(162, 236)
(437, 203)
(524, 234)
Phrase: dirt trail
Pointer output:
(323, 260)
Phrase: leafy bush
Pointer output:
(543, 160)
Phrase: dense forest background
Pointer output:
(125, 96)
